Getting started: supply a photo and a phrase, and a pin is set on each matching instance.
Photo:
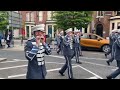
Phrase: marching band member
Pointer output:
(35, 50)
(76, 46)
(68, 53)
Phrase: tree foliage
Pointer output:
(71, 19)
(3, 20)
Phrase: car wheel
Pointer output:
(105, 48)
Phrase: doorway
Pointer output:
(99, 30)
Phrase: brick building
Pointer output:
(104, 22)
(101, 23)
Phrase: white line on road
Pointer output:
(12, 67)
(2, 78)
(17, 60)
(13, 76)
(90, 72)
(98, 64)
(26, 65)
(21, 75)
(84, 61)
(93, 77)
(101, 59)
(11, 61)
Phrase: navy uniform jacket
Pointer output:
(76, 41)
(116, 48)
(61, 40)
(111, 39)
(68, 46)
(58, 40)
(35, 57)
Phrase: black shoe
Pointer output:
(79, 62)
(108, 77)
(71, 78)
(61, 73)
(81, 55)
(108, 63)
(58, 53)
(106, 55)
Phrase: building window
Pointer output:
(28, 17)
(113, 25)
(49, 15)
(85, 30)
(118, 25)
(40, 16)
(32, 16)
(100, 13)
(27, 30)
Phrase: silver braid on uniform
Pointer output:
(71, 42)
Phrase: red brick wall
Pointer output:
(104, 21)
(36, 18)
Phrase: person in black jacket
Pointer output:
(8, 39)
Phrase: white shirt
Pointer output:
(8, 37)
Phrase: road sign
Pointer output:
(15, 19)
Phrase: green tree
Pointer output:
(3, 20)
(71, 19)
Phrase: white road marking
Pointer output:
(9, 61)
(101, 59)
(21, 75)
(26, 65)
(93, 77)
(2, 78)
(84, 61)
(90, 72)
(17, 60)
(13, 67)
(114, 69)
(98, 64)
(20, 60)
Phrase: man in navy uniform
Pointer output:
(76, 46)
(68, 53)
(114, 36)
(111, 41)
(35, 50)
(117, 58)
